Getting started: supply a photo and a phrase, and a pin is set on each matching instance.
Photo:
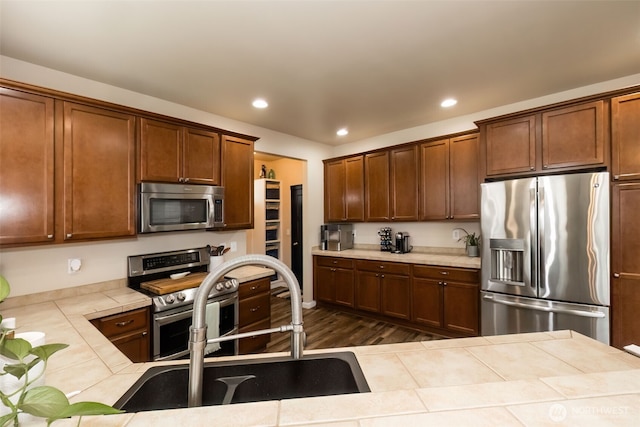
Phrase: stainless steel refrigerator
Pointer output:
(545, 255)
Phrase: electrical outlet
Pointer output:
(456, 235)
(73, 265)
(233, 246)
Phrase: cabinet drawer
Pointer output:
(324, 261)
(448, 273)
(253, 288)
(121, 323)
(256, 343)
(254, 309)
(385, 267)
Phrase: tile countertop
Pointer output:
(555, 378)
(440, 257)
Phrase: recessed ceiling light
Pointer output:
(342, 132)
(260, 103)
(449, 102)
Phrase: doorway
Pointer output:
(296, 232)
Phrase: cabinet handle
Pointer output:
(69, 235)
(49, 236)
(335, 262)
(616, 177)
(144, 334)
(382, 275)
(253, 288)
(125, 323)
(444, 283)
(186, 180)
(616, 275)
(444, 273)
(533, 168)
(440, 283)
(381, 266)
(253, 310)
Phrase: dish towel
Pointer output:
(213, 326)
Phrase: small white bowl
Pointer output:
(179, 275)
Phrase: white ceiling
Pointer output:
(372, 66)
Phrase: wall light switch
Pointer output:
(456, 235)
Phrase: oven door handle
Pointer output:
(170, 318)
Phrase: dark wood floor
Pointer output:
(329, 328)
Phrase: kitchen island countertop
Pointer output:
(554, 378)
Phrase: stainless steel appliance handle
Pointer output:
(541, 236)
(170, 318)
(582, 313)
(533, 237)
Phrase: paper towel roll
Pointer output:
(9, 383)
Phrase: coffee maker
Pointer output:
(402, 243)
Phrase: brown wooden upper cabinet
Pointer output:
(26, 175)
(98, 172)
(237, 179)
(625, 137)
(344, 189)
(174, 153)
(449, 178)
(391, 184)
(570, 137)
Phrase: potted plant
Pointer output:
(472, 242)
(39, 401)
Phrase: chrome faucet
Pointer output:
(198, 330)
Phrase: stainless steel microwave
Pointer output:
(179, 207)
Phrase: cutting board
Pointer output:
(166, 286)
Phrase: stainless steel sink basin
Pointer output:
(253, 380)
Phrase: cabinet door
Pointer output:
(201, 156)
(404, 183)
(573, 136)
(344, 287)
(396, 296)
(368, 291)
(334, 191)
(464, 179)
(26, 174)
(511, 146)
(160, 151)
(427, 302)
(434, 180)
(237, 179)
(354, 188)
(460, 307)
(376, 169)
(135, 345)
(625, 137)
(325, 285)
(625, 262)
(98, 173)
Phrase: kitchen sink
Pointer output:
(252, 380)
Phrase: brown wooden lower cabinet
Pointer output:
(446, 298)
(254, 313)
(334, 280)
(129, 332)
(442, 300)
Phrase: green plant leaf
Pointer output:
(5, 419)
(86, 408)
(15, 348)
(18, 370)
(45, 351)
(44, 401)
(4, 289)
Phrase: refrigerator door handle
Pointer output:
(582, 313)
(533, 236)
(541, 236)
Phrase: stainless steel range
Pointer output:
(172, 279)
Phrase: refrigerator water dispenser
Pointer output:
(507, 260)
